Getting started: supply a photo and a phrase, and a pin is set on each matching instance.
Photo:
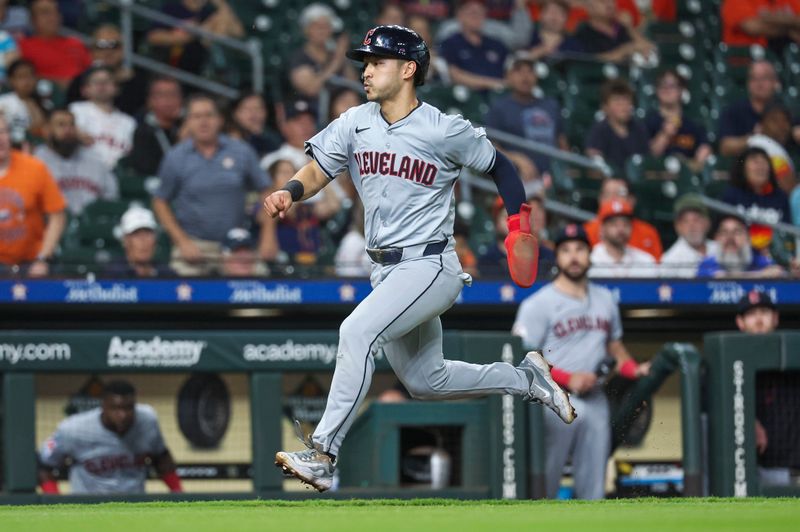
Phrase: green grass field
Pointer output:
(386, 515)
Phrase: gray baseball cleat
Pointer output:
(311, 466)
(543, 389)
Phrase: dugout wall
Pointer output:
(30, 360)
(735, 361)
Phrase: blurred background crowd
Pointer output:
(669, 128)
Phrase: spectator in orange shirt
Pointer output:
(627, 13)
(56, 58)
(31, 210)
(764, 22)
(643, 236)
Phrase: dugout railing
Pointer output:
(680, 358)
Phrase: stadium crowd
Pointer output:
(111, 169)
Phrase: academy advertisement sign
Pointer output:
(156, 352)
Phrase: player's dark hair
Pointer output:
(119, 387)
(616, 87)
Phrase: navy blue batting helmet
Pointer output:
(398, 42)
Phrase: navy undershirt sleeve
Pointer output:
(508, 182)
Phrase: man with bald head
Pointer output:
(738, 120)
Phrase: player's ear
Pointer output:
(409, 69)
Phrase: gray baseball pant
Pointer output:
(401, 316)
(587, 440)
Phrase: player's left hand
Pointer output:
(522, 248)
(643, 369)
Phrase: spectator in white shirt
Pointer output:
(22, 106)
(107, 129)
(692, 224)
(613, 257)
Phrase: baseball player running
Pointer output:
(404, 157)
(109, 447)
(576, 324)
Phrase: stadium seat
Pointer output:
(670, 168)
(104, 212)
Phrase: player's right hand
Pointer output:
(278, 203)
(581, 382)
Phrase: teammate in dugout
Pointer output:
(576, 324)
(404, 157)
(109, 447)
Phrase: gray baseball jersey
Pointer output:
(573, 334)
(102, 460)
(404, 172)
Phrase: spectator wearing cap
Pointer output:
(100, 123)
(204, 180)
(774, 136)
(492, 261)
(644, 235)
(474, 60)
(692, 225)
(734, 256)
(777, 437)
(239, 256)
(523, 114)
(620, 134)
(322, 55)
(56, 57)
(81, 175)
(31, 210)
(754, 190)
(106, 50)
(550, 37)
(181, 49)
(613, 256)
(507, 21)
(738, 120)
(247, 121)
(606, 37)
(160, 127)
(139, 235)
(23, 107)
(671, 131)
